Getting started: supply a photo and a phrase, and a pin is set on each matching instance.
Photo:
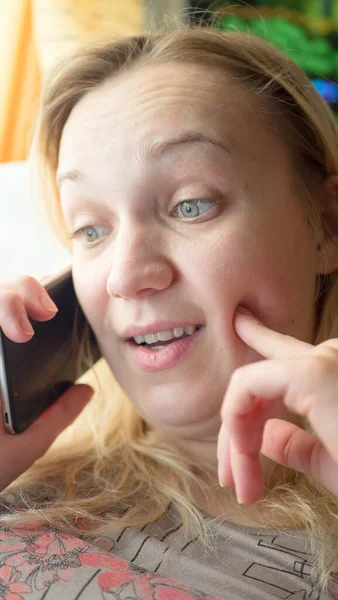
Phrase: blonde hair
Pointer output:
(111, 463)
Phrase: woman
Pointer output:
(196, 176)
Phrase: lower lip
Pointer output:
(170, 356)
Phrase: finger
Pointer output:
(293, 447)
(244, 415)
(247, 431)
(248, 476)
(37, 301)
(225, 477)
(14, 310)
(20, 451)
(14, 320)
(331, 344)
(268, 343)
(245, 467)
(255, 394)
(45, 278)
(63, 412)
(260, 391)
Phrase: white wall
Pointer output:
(26, 245)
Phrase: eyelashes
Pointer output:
(189, 206)
(91, 229)
(186, 210)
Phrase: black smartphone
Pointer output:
(36, 373)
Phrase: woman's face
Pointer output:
(189, 210)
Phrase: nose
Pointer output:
(140, 265)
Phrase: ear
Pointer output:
(327, 248)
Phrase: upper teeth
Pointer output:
(164, 336)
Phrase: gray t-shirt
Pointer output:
(247, 563)
(157, 562)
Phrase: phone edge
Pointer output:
(4, 396)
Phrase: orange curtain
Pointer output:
(20, 79)
(33, 34)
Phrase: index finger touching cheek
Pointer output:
(267, 342)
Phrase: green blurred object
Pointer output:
(313, 8)
(314, 53)
(306, 30)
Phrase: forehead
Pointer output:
(156, 102)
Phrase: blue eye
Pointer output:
(194, 208)
(90, 233)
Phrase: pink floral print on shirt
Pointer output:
(10, 588)
(32, 560)
(132, 581)
(45, 556)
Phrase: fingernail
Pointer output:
(47, 304)
(25, 325)
(85, 391)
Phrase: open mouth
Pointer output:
(154, 353)
(158, 341)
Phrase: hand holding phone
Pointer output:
(19, 452)
(18, 299)
(40, 346)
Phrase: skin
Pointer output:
(251, 247)
(296, 375)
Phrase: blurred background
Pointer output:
(35, 33)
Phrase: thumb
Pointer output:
(60, 414)
(19, 452)
(291, 446)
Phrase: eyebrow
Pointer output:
(156, 150)
(73, 175)
(188, 137)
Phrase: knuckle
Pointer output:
(329, 353)
(312, 375)
(237, 376)
(331, 344)
(11, 300)
(19, 284)
(321, 366)
(18, 293)
(26, 281)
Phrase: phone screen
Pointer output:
(36, 373)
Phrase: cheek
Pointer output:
(224, 263)
(279, 285)
(216, 279)
(91, 292)
(271, 274)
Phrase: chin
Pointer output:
(176, 409)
